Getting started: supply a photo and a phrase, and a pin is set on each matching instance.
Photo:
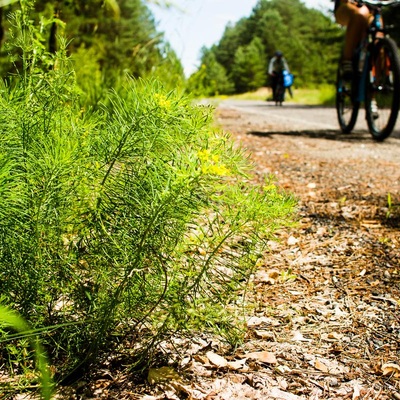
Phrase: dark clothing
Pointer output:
(274, 83)
(275, 71)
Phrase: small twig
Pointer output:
(378, 396)
(317, 384)
(389, 300)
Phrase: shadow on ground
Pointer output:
(289, 106)
(330, 134)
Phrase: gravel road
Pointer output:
(299, 117)
(313, 122)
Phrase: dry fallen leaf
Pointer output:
(264, 277)
(201, 251)
(320, 366)
(292, 241)
(277, 393)
(356, 392)
(298, 337)
(236, 365)
(216, 359)
(283, 369)
(335, 335)
(257, 321)
(391, 369)
(263, 356)
(264, 334)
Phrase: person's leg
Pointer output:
(356, 20)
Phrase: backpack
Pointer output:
(288, 78)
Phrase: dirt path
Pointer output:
(335, 329)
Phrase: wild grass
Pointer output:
(11, 320)
(323, 95)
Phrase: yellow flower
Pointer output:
(214, 169)
(204, 155)
(162, 101)
(269, 188)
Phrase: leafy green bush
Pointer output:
(138, 217)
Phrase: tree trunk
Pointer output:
(53, 34)
(1, 27)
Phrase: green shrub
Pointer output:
(138, 217)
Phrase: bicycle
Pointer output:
(375, 81)
(284, 81)
(279, 91)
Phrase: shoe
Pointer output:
(347, 70)
(374, 109)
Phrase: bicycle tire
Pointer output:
(346, 105)
(382, 88)
(280, 94)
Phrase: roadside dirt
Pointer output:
(335, 329)
(327, 321)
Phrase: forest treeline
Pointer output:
(105, 39)
(310, 40)
(109, 38)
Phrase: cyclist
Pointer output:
(276, 66)
(356, 19)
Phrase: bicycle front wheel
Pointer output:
(382, 98)
(346, 105)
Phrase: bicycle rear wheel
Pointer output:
(346, 105)
(382, 98)
(280, 94)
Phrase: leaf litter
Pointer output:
(327, 321)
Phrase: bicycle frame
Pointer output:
(374, 28)
(362, 79)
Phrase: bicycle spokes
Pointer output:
(382, 97)
(346, 104)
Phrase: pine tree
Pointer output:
(249, 67)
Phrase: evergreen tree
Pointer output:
(211, 79)
(249, 67)
(118, 35)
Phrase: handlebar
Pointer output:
(379, 3)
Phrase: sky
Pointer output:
(191, 24)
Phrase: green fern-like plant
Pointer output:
(139, 218)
